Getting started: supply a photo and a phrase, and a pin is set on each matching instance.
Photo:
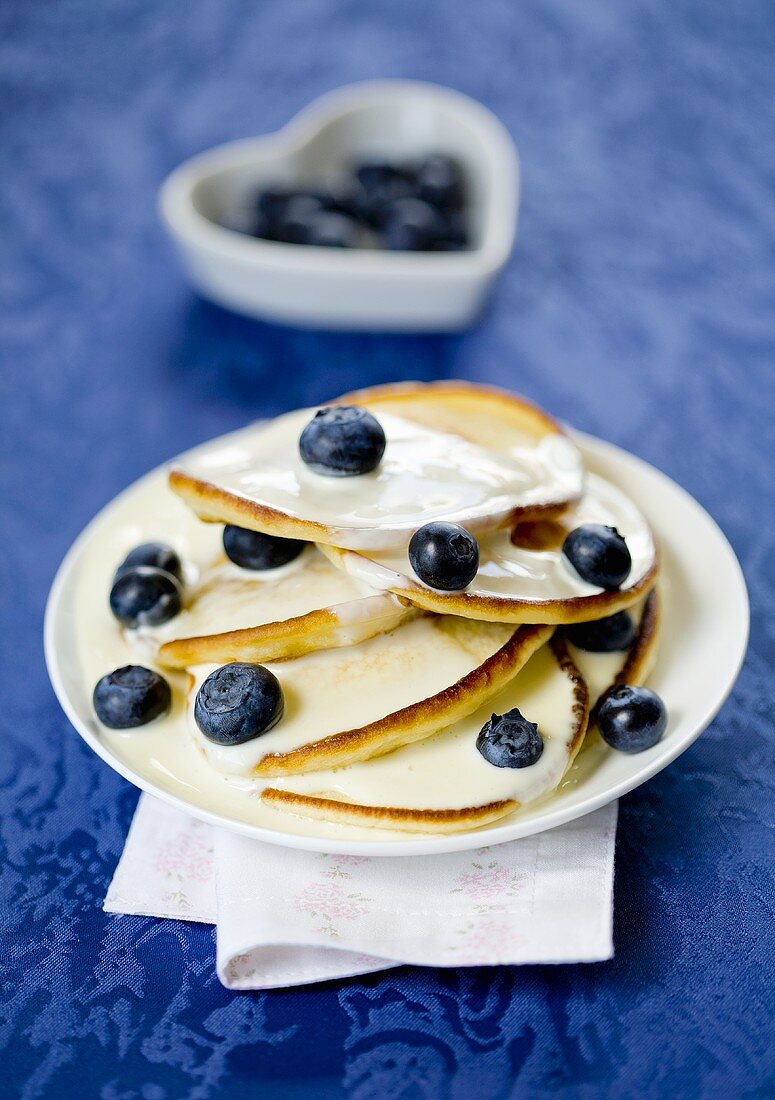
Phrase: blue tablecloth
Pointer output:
(638, 304)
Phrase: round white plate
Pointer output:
(703, 645)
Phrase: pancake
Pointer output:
(236, 614)
(462, 453)
(346, 705)
(443, 784)
(522, 576)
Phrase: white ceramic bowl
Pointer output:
(348, 288)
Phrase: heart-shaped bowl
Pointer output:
(348, 288)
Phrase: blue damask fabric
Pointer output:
(638, 304)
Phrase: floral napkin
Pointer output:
(287, 917)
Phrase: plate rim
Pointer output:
(420, 845)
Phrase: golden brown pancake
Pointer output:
(236, 614)
(477, 456)
(443, 784)
(346, 705)
(522, 575)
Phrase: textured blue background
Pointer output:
(638, 304)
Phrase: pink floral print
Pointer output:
(186, 857)
(330, 902)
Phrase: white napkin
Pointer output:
(287, 917)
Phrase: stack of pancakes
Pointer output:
(387, 682)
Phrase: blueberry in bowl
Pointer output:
(131, 696)
(331, 229)
(412, 225)
(238, 702)
(440, 182)
(414, 205)
(296, 218)
(342, 441)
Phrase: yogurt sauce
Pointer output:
(447, 771)
(510, 572)
(424, 475)
(227, 597)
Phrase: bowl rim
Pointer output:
(193, 230)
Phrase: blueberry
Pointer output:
(372, 206)
(440, 182)
(598, 554)
(631, 719)
(273, 200)
(145, 596)
(609, 635)
(452, 235)
(373, 175)
(510, 741)
(254, 550)
(156, 554)
(263, 227)
(238, 702)
(411, 225)
(131, 696)
(332, 230)
(295, 220)
(342, 441)
(444, 556)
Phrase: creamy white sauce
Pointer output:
(230, 598)
(514, 572)
(447, 771)
(424, 475)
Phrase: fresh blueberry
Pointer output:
(145, 596)
(372, 175)
(131, 696)
(598, 554)
(371, 206)
(411, 225)
(156, 554)
(609, 635)
(273, 200)
(510, 741)
(332, 230)
(342, 441)
(238, 702)
(452, 235)
(444, 556)
(294, 224)
(263, 227)
(254, 550)
(440, 182)
(631, 719)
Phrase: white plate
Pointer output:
(703, 645)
